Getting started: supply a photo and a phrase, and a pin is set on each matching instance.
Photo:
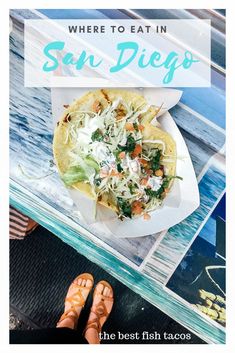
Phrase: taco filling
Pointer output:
(106, 147)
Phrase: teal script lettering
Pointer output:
(128, 53)
(67, 59)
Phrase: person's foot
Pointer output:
(100, 310)
(75, 300)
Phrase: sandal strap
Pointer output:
(76, 300)
(94, 323)
(80, 301)
(100, 311)
(67, 315)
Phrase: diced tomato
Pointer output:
(137, 203)
(137, 207)
(137, 151)
(143, 162)
(144, 181)
(141, 127)
(129, 127)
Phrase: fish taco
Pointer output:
(106, 146)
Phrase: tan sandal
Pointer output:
(99, 309)
(77, 299)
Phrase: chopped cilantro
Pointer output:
(135, 125)
(97, 181)
(155, 162)
(119, 168)
(97, 135)
(130, 144)
(124, 207)
(155, 194)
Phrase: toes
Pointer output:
(103, 289)
(110, 294)
(88, 283)
(106, 291)
(82, 282)
(99, 288)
